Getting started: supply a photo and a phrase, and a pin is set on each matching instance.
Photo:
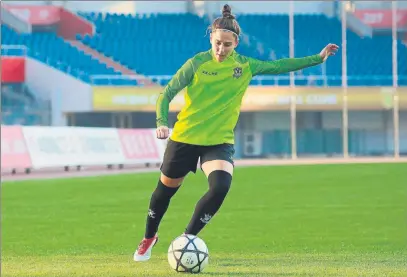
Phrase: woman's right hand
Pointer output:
(162, 132)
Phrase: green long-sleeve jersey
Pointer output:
(214, 93)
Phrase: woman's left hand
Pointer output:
(329, 50)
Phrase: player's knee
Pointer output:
(219, 182)
(171, 182)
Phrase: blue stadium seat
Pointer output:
(53, 50)
(152, 45)
(159, 44)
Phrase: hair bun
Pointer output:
(227, 12)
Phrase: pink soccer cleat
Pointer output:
(143, 252)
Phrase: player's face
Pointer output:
(223, 44)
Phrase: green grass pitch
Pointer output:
(320, 220)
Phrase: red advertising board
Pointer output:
(382, 19)
(14, 152)
(35, 15)
(12, 69)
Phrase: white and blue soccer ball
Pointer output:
(188, 253)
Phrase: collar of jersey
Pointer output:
(228, 58)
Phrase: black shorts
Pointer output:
(181, 158)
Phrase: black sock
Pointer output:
(209, 204)
(159, 203)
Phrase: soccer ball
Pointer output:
(188, 253)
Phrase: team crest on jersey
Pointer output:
(237, 72)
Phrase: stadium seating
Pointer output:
(152, 45)
(158, 44)
(53, 50)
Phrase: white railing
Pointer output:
(320, 80)
(125, 79)
(14, 50)
(118, 77)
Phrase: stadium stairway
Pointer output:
(72, 57)
(109, 62)
(102, 58)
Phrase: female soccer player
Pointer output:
(216, 81)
